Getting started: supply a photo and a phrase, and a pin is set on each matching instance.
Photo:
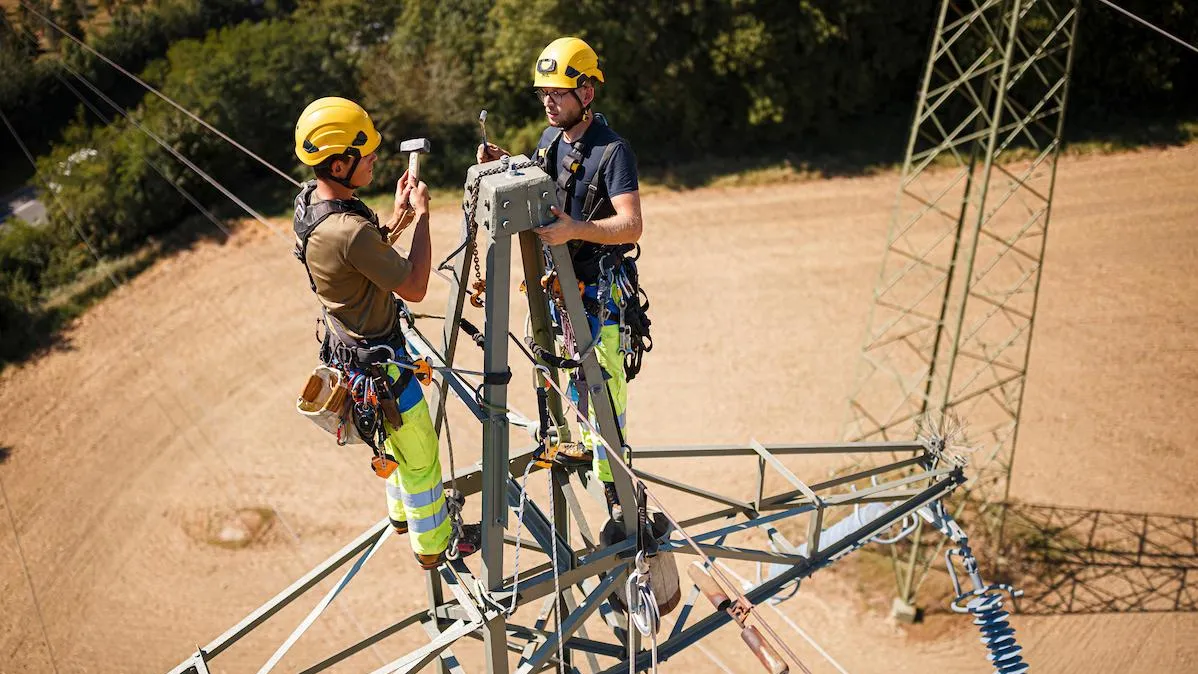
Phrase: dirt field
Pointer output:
(171, 407)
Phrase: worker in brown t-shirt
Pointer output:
(354, 270)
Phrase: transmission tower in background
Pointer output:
(951, 325)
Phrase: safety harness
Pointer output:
(362, 362)
(596, 264)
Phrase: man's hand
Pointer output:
(490, 152)
(419, 198)
(403, 187)
(560, 231)
(411, 201)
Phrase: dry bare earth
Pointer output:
(171, 408)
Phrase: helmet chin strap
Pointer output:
(348, 174)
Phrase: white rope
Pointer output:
(1159, 30)
(509, 610)
(643, 612)
(158, 93)
(728, 585)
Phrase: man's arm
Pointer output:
(415, 285)
(625, 226)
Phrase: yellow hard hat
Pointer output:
(566, 63)
(334, 126)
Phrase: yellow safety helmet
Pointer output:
(567, 63)
(334, 126)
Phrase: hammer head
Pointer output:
(421, 145)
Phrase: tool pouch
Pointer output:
(325, 400)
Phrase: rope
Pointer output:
(643, 612)
(158, 93)
(557, 588)
(1155, 28)
(509, 610)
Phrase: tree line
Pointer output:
(687, 80)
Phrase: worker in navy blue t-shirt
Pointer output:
(600, 219)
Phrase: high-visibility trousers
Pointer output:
(414, 491)
(607, 351)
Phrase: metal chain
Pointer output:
(471, 207)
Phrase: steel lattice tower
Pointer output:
(951, 326)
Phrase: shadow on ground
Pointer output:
(1077, 561)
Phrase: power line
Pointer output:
(1153, 27)
(178, 155)
(12, 518)
(158, 93)
(154, 165)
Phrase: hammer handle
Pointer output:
(414, 165)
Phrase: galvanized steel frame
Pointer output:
(470, 609)
(951, 325)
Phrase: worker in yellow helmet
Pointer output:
(600, 218)
(354, 271)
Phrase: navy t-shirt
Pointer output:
(619, 177)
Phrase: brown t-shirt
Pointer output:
(355, 271)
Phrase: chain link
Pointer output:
(471, 207)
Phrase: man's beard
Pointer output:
(563, 123)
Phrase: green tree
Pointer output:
(69, 16)
(421, 82)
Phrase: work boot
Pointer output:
(563, 455)
(470, 542)
(613, 501)
(401, 527)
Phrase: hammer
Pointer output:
(414, 147)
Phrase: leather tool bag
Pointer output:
(325, 399)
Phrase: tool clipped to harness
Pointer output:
(383, 465)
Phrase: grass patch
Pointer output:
(60, 305)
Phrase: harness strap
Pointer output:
(308, 216)
(589, 206)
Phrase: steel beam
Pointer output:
(282, 599)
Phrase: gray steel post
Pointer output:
(495, 443)
(597, 389)
(538, 312)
